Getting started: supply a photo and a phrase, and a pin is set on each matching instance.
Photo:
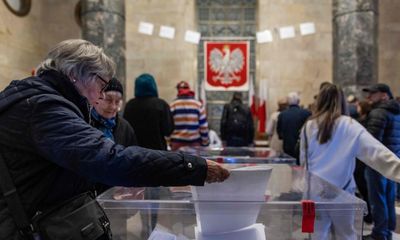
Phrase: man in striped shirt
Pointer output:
(191, 127)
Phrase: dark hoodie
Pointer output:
(53, 153)
(149, 115)
(383, 122)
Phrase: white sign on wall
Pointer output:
(286, 32)
(167, 32)
(264, 37)
(192, 37)
(307, 28)
(146, 28)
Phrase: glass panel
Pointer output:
(272, 204)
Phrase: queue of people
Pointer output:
(61, 134)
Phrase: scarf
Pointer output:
(104, 125)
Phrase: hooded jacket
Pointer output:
(149, 115)
(53, 153)
(383, 122)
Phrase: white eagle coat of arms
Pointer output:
(226, 64)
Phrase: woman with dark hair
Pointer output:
(330, 142)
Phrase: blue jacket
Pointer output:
(290, 121)
(383, 122)
(53, 153)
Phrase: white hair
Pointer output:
(293, 98)
(79, 59)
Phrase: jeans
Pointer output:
(381, 193)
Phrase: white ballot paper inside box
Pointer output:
(233, 204)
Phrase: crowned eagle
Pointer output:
(226, 64)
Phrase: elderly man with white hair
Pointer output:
(289, 124)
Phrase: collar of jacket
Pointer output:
(65, 87)
(294, 106)
(185, 97)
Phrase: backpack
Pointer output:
(237, 120)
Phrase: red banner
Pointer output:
(227, 66)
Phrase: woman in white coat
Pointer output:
(330, 142)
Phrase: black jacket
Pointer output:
(53, 153)
(235, 135)
(383, 122)
(151, 119)
(124, 133)
(290, 121)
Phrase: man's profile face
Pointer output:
(376, 97)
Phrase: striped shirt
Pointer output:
(190, 121)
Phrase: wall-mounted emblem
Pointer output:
(227, 66)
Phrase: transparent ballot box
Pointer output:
(246, 206)
(240, 154)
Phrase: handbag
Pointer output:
(79, 218)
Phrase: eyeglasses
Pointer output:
(104, 82)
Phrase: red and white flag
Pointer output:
(252, 97)
(262, 107)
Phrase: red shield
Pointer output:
(227, 66)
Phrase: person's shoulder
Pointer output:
(346, 119)
(121, 120)
(245, 106)
(377, 112)
(349, 123)
(162, 101)
(304, 111)
(131, 101)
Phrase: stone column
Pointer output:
(103, 23)
(355, 60)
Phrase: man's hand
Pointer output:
(215, 172)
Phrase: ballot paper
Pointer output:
(253, 232)
(233, 204)
(161, 233)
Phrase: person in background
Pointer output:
(329, 130)
(274, 142)
(237, 126)
(149, 115)
(352, 106)
(152, 120)
(383, 122)
(105, 116)
(289, 124)
(54, 154)
(191, 126)
(215, 141)
(363, 108)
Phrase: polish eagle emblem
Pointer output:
(226, 64)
